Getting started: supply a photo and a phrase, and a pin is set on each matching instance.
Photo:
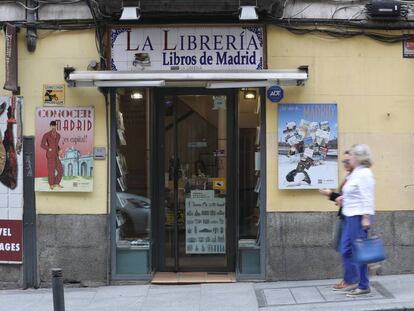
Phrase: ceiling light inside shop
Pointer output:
(137, 95)
(249, 94)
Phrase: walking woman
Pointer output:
(349, 273)
(357, 202)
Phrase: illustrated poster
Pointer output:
(308, 146)
(11, 180)
(64, 149)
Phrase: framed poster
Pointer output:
(53, 95)
(308, 146)
(11, 180)
(408, 48)
(64, 141)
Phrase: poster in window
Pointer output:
(64, 141)
(205, 225)
(308, 146)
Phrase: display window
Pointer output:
(249, 185)
(133, 191)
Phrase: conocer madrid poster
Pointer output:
(64, 143)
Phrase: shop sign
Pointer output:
(53, 94)
(275, 93)
(64, 160)
(308, 146)
(11, 82)
(11, 187)
(187, 48)
(11, 237)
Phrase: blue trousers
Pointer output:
(353, 272)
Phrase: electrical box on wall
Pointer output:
(99, 153)
(385, 9)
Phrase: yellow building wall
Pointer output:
(55, 50)
(373, 87)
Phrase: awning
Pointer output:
(208, 79)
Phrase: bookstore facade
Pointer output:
(186, 196)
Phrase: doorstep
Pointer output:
(193, 277)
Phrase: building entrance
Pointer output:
(196, 217)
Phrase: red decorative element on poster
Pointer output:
(11, 237)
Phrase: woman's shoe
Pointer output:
(358, 291)
(344, 286)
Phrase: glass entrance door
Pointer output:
(197, 204)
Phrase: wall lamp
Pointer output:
(137, 95)
(130, 11)
(249, 94)
(248, 12)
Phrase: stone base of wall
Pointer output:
(300, 246)
(10, 276)
(76, 243)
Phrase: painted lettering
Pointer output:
(192, 44)
(5, 232)
(217, 42)
(230, 41)
(252, 42)
(204, 42)
(10, 247)
(147, 43)
(129, 42)
(166, 48)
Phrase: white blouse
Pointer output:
(358, 193)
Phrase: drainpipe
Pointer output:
(31, 32)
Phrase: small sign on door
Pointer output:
(219, 183)
(219, 102)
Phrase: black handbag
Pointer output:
(368, 250)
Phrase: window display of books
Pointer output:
(121, 163)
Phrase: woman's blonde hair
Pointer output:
(362, 154)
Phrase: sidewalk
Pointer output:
(388, 293)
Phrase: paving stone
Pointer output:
(281, 296)
(307, 295)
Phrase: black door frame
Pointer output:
(157, 167)
(30, 273)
